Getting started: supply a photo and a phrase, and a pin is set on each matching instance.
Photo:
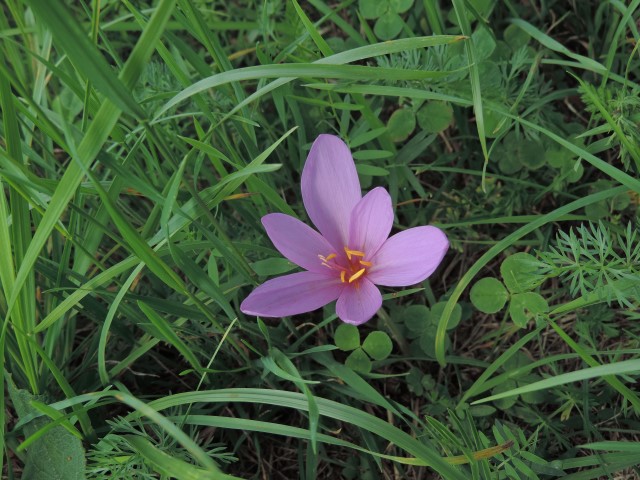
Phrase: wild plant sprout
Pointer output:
(353, 251)
(593, 261)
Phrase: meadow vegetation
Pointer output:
(141, 142)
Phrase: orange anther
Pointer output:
(342, 274)
(365, 263)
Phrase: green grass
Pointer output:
(141, 143)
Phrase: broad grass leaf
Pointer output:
(57, 454)
(272, 266)
(371, 170)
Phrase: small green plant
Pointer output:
(520, 275)
(386, 13)
(376, 346)
(592, 261)
(421, 323)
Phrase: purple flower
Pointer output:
(351, 254)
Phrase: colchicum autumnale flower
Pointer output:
(353, 251)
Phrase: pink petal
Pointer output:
(357, 305)
(292, 294)
(371, 222)
(298, 242)
(408, 257)
(330, 188)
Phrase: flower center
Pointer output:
(354, 268)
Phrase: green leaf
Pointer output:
(437, 311)
(616, 368)
(614, 446)
(414, 381)
(489, 295)
(484, 43)
(482, 7)
(378, 345)
(474, 76)
(347, 337)
(328, 408)
(481, 410)
(358, 361)
(313, 32)
(434, 117)
(515, 37)
(516, 152)
(355, 381)
(571, 170)
(388, 26)
(272, 266)
(504, 403)
(495, 124)
(371, 170)
(556, 46)
(372, 154)
(509, 164)
(416, 318)
(55, 455)
(532, 154)
(520, 272)
(366, 137)
(536, 397)
(490, 77)
(526, 306)
(287, 71)
(372, 9)
(401, 123)
(427, 340)
(400, 6)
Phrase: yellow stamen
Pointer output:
(342, 274)
(331, 256)
(356, 275)
(355, 253)
(365, 263)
